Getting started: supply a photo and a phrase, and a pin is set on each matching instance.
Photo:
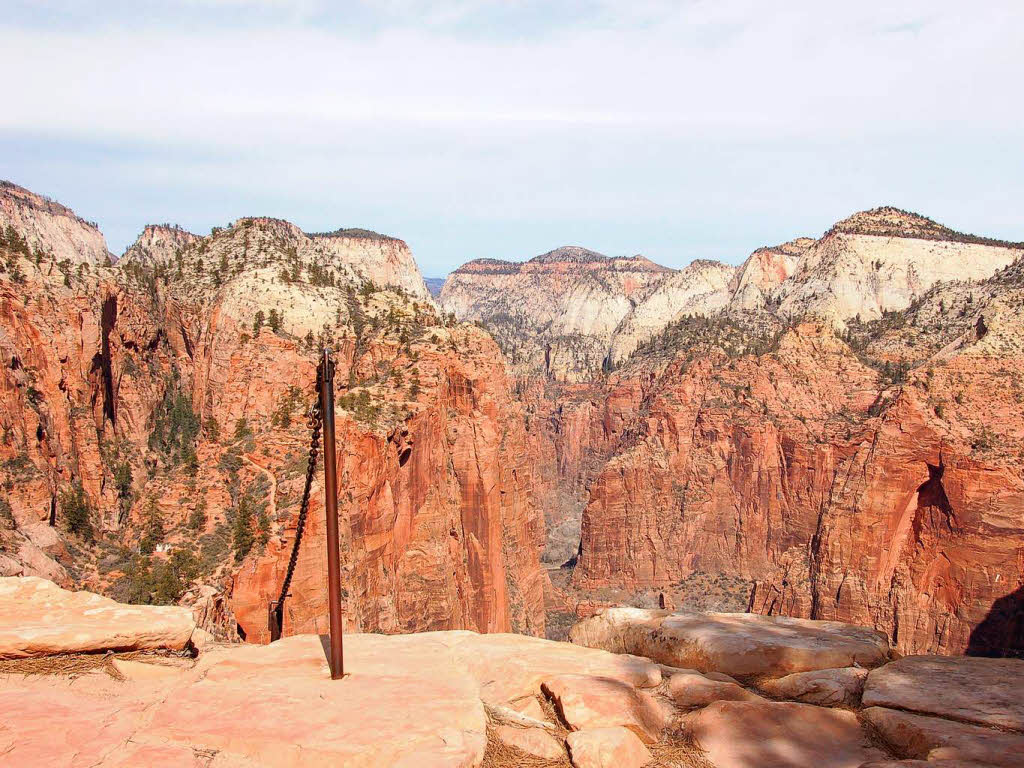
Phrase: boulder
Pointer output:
(596, 702)
(533, 741)
(972, 689)
(736, 734)
(613, 747)
(933, 738)
(824, 687)
(38, 618)
(740, 644)
(692, 689)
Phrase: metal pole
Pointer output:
(331, 509)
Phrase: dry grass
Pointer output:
(72, 665)
(500, 755)
(677, 749)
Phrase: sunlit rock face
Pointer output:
(842, 436)
(557, 312)
(160, 405)
(50, 227)
(882, 260)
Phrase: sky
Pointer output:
(481, 128)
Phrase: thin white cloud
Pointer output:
(518, 109)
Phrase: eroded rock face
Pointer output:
(559, 311)
(881, 260)
(38, 618)
(159, 400)
(840, 500)
(701, 288)
(50, 227)
(438, 528)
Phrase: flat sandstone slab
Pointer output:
(407, 701)
(738, 734)
(976, 690)
(933, 738)
(38, 618)
(740, 644)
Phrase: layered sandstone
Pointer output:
(840, 497)
(882, 260)
(764, 271)
(150, 405)
(556, 312)
(50, 227)
(702, 288)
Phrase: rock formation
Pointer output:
(460, 699)
(833, 434)
(155, 437)
(49, 228)
(556, 312)
(882, 260)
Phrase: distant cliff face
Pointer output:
(702, 288)
(158, 245)
(557, 312)
(50, 227)
(831, 430)
(156, 437)
(764, 272)
(882, 260)
(837, 494)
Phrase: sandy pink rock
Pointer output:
(733, 643)
(596, 702)
(533, 741)
(824, 687)
(690, 690)
(38, 618)
(977, 690)
(780, 735)
(612, 747)
(933, 738)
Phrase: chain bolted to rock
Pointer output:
(276, 608)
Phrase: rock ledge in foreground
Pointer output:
(38, 618)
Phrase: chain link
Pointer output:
(314, 422)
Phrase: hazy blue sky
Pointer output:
(474, 128)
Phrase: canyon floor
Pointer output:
(86, 681)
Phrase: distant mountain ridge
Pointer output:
(572, 311)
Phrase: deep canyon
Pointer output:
(833, 429)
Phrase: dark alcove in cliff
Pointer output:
(101, 361)
(932, 494)
(1001, 633)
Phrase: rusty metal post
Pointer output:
(331, 509)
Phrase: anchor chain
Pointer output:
(276, 617)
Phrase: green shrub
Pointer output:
(77, 512)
